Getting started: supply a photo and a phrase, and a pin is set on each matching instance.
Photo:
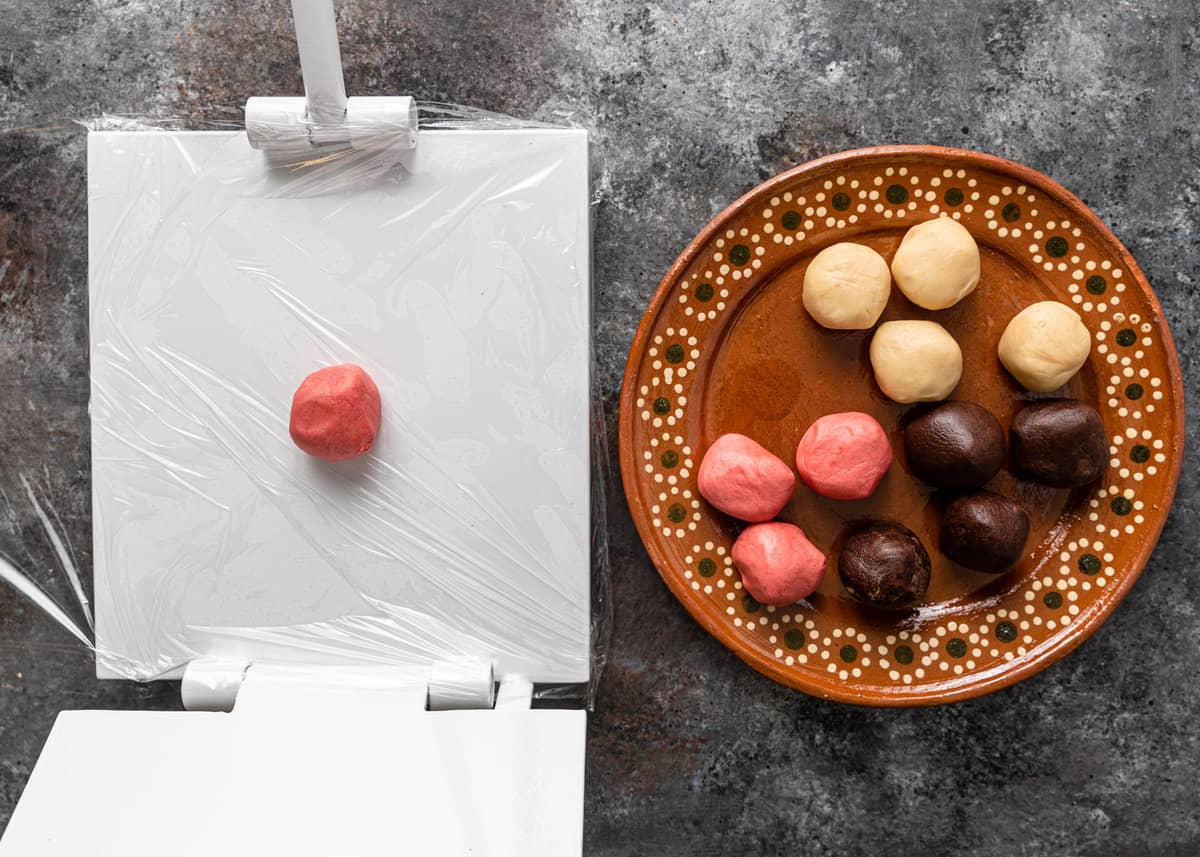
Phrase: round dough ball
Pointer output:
(846, 287)
(1059, 442)
(744, 479)
(984, 531)
(844, 456)
(958, 446)
(915, 361)
(778, 563)
(1044, 345)
(937, 263)
(336, 413)
(884, 563)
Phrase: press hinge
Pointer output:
(216, 684)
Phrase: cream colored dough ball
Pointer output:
(846, 287)
(1044, 345)
(937, 263)
(915, 361)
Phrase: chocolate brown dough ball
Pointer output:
(984, 531)
(1059, 442)
(958, 446)
(884, 563)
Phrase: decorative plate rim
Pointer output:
(918, 695)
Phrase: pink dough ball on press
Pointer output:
(778, 563)
(744, 480)
(336, 413)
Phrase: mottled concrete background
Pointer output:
(690, 104)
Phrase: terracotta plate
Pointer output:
(727, 347)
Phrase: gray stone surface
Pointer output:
(691, 103)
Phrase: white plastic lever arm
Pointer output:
(320, 61)
(292, 127)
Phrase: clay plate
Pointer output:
(726, 346)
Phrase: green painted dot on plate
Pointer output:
(956, 647)
(704, 292)
(904, 654)
(840, 201)
(1126, 337)
(1006, 632)
(675, 353)
(661, 405)
(708, 567)
(849, 654)
(1122, 505)
(739, 254)
(1097, 284)
(1134, 392)
(1057, 247)
(954, 196)
(1139, 454)
(750, 604)
(1052, 600)
(896, 194)
(1089, 563)
(670, 458)
(790, 220)
(676, 512)
(794, 639)
(1011, 212)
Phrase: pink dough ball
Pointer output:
(336, 413)
(843, 456)
(778, 563)
(744, 480)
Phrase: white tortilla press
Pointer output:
(340, 629)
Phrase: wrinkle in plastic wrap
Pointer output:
(457, 275)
